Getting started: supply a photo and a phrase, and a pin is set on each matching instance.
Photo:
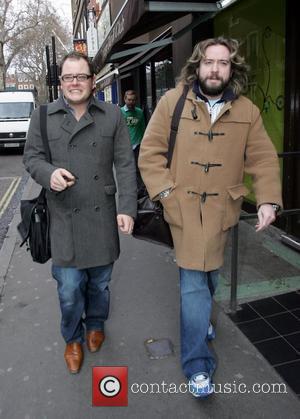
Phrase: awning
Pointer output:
(107, 79)
(106, 69)
(146, 54)
(138, 17)
(108, 74)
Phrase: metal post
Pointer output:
(49, 74)
(289, 240)
(153, 85)
(234, 267)
(55, 84)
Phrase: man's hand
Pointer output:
(61, 179)
(266, 215)
(125, 223)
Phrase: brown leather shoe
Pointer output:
(74, 357)
(94, 340)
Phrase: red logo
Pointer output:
(110, 386)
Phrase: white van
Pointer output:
(15, 111)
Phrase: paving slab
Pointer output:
(35, 384)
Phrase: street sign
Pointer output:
(92, 34)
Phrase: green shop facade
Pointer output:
(268, 33)
(270, 41)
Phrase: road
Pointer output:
(12, 180)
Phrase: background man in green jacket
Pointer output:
(135, 121)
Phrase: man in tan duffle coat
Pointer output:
(220, 137)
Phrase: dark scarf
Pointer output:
(227, 96)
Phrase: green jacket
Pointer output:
(135, 122)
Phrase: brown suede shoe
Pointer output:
(94, 340)
(74, 357)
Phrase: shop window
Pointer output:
(149, 88)
(159, 79)
(164, 79)
(260, 28)
(107, 94)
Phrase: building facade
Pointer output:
(18, 81)
(142, 45)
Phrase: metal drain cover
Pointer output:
(159, 348)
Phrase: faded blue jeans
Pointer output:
(196, 291)
(82, 292)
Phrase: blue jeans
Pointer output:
(82, 291)
(196, 291)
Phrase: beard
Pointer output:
(213, 90)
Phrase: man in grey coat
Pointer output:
(86, 138)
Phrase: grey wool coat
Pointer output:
(83, 226)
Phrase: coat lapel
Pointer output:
(68, 124)
(59, 106)
(84, 122)
(88, 118)
(68, 119)
(225, 108)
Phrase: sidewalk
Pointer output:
(34, 382)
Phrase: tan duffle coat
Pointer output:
(207, 171)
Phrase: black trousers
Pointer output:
(141, 188)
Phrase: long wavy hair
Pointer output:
(239, 79)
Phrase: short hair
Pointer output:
(75, 55)
(130, 92)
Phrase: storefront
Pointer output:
(268, 33)
(149, 46)
(140, 44)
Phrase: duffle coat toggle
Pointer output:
(209, 134)
(203, 195)
(194, 112)
(206, 166)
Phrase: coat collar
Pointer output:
(56, 106)
(96, 104)
(60, 105)
(227, 96)
(68, 121)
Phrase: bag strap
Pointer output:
(43, 125)
(175, 123)
(44, 134)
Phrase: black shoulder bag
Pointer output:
(150, 224)
(35, 219)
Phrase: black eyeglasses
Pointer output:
(78, 77)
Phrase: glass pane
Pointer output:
(260, 28)
(14, 110)
(149, 88)
(164, 78)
